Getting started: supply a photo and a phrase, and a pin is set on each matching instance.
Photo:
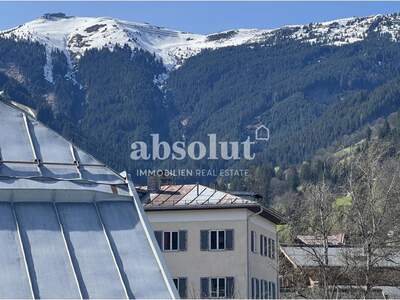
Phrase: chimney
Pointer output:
(153, 184)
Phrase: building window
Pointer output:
(253, 241)
(263, 245)
(265, 293)
(263, 289)
(271, 248)
(181, 286)
(255, 288)
(216, 239)
(172, 240)
(217, 287)
(273, 291)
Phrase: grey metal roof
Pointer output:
(310, 256)
(313, 240)
(28, 149)
(69, 226)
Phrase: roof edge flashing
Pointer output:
(152, 240)
(47, 195)
(268, 214)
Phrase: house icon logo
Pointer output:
(262, 133)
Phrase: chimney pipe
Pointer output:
(153, 184)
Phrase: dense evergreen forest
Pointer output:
(310, 96)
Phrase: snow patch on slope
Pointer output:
(75, 35)
(48, 67)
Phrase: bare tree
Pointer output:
(371, 181)
(374, 187)
(294, 280)
(320, 218)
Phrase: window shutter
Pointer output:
(183, 287)
(229, 239)
(273, 291)
(182, 240)
(270, 290)
(230, 287)
(265, 246)
(159, 235)
(252, 241)
(257, 289)
(261, 289)
(253, 283)
(273, 249)
(261, 244)
(204, 240)
(205, 287)
(270, 248)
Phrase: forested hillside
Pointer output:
(309, 96)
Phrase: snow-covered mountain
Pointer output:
(75, 35)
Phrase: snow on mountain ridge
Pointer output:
(75, 35)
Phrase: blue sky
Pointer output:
(199, 17)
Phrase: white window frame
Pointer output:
(217, 291)
(217, 241)
(170, 241)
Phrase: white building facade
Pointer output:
(216, 245)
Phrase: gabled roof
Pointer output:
(70, 227)
(197, 196)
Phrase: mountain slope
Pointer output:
(75, 35)
(312, 85)
(309, 96)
